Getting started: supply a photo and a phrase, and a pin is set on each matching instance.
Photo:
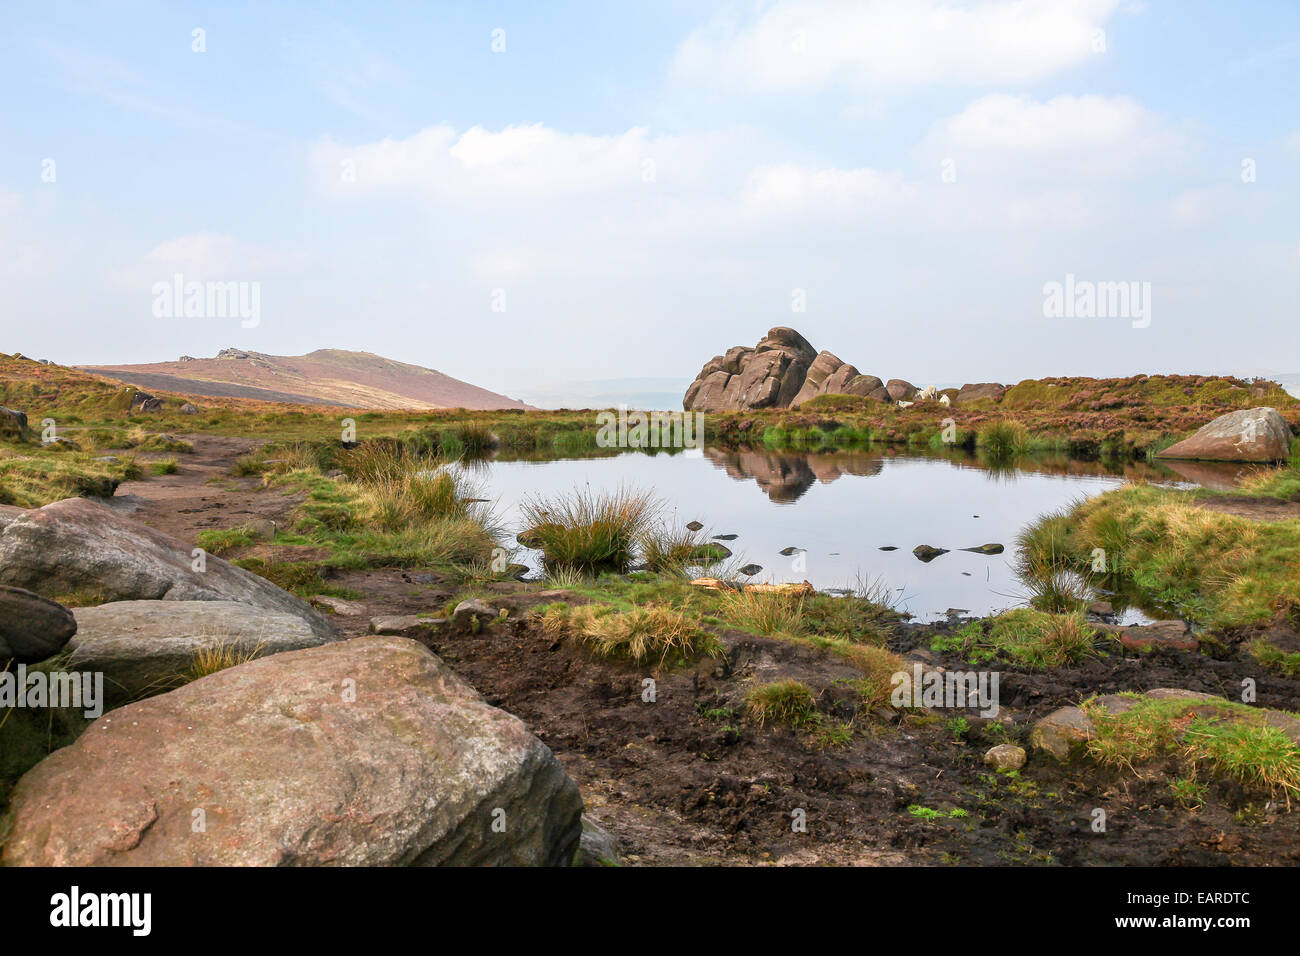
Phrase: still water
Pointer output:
(843, 508)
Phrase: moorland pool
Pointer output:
(844, 507)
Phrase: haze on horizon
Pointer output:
(492, 193)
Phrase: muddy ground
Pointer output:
(688, 779)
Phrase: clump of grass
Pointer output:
(656, 633)
(247, 465)
(1024, 636)
(671, 549)
(1229, 740)
(218, 657)
(1002, 439)
(221, 541)
(763, 612)
(789, 702)
(298, 577)
(587, 530)
(564, 577)
(1274, 658)
(1222, 570)
(164, 466)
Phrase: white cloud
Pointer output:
(202, 257)
(808, 45)
(790, 188)
(1019, 124)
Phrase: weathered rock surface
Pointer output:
(1005, 757)
(405, 625)
(1254, 434)
(1172, 635)
(900, 390)
(149, 647)
(766, 376)
(80, 544)
(467, 612)
(290, 767)
(975, 392)
(12, 421)
(597, 847)
(827, 375)
(32, 628)
(1063, 733)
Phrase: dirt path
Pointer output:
(1258, 509)
(202, 493)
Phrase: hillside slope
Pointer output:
(326, 376)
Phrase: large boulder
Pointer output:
(769, 375)
(79, 544)
(32, 628)
(149, 647)
(826, 376)
(1254, 434)
(980, 391)
(900, 390)
(367, 752)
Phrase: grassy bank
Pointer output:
(1222, 570)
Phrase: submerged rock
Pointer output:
(367, 752)
(751, 569)
(926, 553)
(993, 548)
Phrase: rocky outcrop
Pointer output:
(149, 647)
(826, 375)
(900, 390)
(766, 376)
(32, 628)
(79, 544)
(368, 752)
(785, 371)
(982, 391)
(1254, 434)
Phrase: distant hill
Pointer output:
(323, 377)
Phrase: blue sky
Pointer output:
(646, 185)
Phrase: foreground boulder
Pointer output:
(32, 628)
(368, 752)
(78, 544)
(149, 647)
(1254, 434)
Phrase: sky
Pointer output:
(523, 195)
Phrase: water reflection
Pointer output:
(784, 476)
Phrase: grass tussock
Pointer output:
(763, 613)
(590, 531)
(1219, 569)
(656, 634)
(790, 702)
(219, 657)
(1024, 636)
(1002, 439)
(1228, 740)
